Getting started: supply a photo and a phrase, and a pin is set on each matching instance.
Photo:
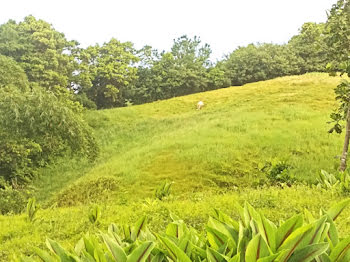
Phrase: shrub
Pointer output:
(12, 201)
(339, 183)
(278, 172)
(37, 126)
(252, 238)
(163, 190)
(87, 191)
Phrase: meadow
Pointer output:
(214, 156)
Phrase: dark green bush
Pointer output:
(37, 126)
(13, 201)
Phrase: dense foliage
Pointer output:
(251, 238)
(37, 126)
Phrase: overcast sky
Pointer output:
(224, 24)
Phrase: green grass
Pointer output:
(213, 156)
(238, 130)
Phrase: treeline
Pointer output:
(115, 74)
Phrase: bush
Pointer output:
(13, 201)
(278, 172)
(87, 191)
(37, 126)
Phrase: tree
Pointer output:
(11, 74)
(44, 53)
(259, 62)
(338, 40)
(184, 70)
(106, 71)
(310, 46)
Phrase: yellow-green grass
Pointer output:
(214, 149)
(213, 156)
(67, 225)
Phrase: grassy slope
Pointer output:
(218, 147)
(205, 152)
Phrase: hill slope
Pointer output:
(222, 146)
(206, 153)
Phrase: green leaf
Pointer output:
(116, 251)
(59, 251)
(256, 249)
(293, 241)
(175, 252)
(309, 253)
(140, 226)
(268, 231)
(141, 253)
(341, 252)
(336, 210)
(214, 256)
(216, 238)
(287, 228)
(44, 256)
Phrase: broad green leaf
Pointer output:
(293, 241)
(141, 253)
(225, 229)
(175, 252)
(341, 252)
(216, 238)
(256, 249)
(44, 256)
(332, 232)
(214, 256)
(287, 228)
(59, 251)
(221, 216)
(236, 258)
(270, 258)
(268, 231)
(116, 251)
(336, 210)
(309, 253)
(140, 225)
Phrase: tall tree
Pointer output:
(43, 52)
(106, 72)
(11, 74)
(184, 70)
(338, 40)
(310, 46)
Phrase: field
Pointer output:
(214, 157)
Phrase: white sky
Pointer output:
(224, 24)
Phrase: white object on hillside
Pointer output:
(200, 104)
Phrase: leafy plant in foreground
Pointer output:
(252, 238)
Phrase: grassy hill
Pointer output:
(214, 157)
(219, 147)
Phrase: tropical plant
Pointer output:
(32, 209)
(95, 214)
(163, 190)
(252, 238)
(337, 183)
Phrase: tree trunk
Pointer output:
(346, 143)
